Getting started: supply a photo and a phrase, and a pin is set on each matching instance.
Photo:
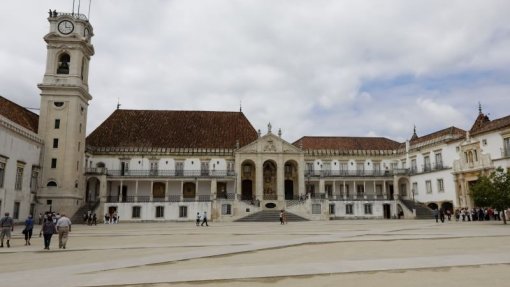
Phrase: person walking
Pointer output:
(435, 212)
(204, 220)
(94, 219)
(441, 214)
(7, 226)
(63, 228)
(47, 229)
(281, 217)
(198, 218)
(29, 226)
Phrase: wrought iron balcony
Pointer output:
(169, 198)
(353, 173)
(169, 173)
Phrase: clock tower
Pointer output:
(63, 116)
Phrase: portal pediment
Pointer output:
(269, 143)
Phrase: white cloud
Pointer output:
(303, 65)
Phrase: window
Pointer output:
(154, 167)
(230, 166)
(183, 211)
(0, 207)
(204, 168)
(329, 190)
(415, 188)
(2, 173)
(160, 211)
(348, 209)
(53, 163)
(316, 208)
(124, 167)
(55, 143)
(484, 142)
(506, 147)
(179, 168)
(332, 209)
(440, 185)
(428, 186)
(439, 161)
(80, 127)
(135, 212)
(403, 163)
(368, 208)
(378, 189)
(15, 213)
(58, 104)
(51, 183)
(226, 209)
(413, 165)
(426, 163)
(403, 189)
(57, 124)
(19, 178)
(309, 167)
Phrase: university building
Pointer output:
(152, 165)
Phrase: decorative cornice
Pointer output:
(4, 122)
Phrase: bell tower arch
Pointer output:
(63, 115)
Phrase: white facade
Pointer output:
(20, 151)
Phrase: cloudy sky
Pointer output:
(337, 68)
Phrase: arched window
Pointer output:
(63, 63)
(51, 183)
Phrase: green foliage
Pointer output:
(493, 190)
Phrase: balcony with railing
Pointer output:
(354, 173)
(169, 173)
(169, 198)
(426, 168)
(462, 165)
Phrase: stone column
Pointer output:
(136, 190)
(259, 181)
(280, 180)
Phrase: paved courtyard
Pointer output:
(332, 253)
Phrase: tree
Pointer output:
(493, 191)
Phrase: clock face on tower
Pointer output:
(65, 27)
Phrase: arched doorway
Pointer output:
(188, 190)
(247, 189)
(92, 191)
(158, 191)
(403, 188)
(432, 205)
(291, 180)
(269, 180)
(247, 180)
(447, 205)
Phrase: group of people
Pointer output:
(89, 218)
(111, 218)
(51, 223)
(202, 218)
(466, 214)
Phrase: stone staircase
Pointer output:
(78, 215)
(270, 216)
(422, 211)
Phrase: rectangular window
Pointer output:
(404, 163)
(378, 189)
(19, 178)
(439, 161)
(414, 167)
(230, 166)
(160, 211)
(403, 189)
(226, 209)
(360, 191)
(135, 213)
(348, 209)
(204, 168)
(15, 213)
(53, 163)
(368, 208)
(124, 167)
(32, 208)
(183, 211)
(316, 208)
(179, 168)
(415, 188)
(426, 163)
(428, 185)
(57, 124)
(2, 174)
(154, 167)
(309, 167)
(329, 190)
(506, 147)
(55, 143)
(440, 185)
(332, 209)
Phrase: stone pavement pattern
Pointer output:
(333, 253)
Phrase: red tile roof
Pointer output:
(172, 129)
(483, 124)
(347, 143)
(19, 114)
(451, 133)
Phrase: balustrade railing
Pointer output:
(163, 173)
(351, 173)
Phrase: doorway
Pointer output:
(289, 189)
(247, 190)
(387, 211)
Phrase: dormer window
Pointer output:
(63, 64)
